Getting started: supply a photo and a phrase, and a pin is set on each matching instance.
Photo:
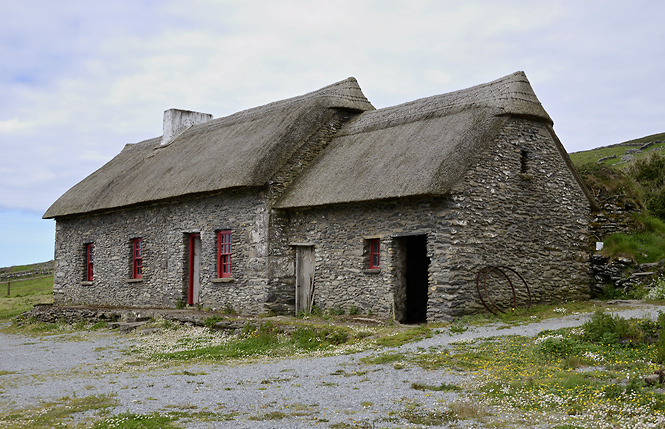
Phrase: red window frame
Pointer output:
(89, 261)
(374, 254)
(137, 258)
(224, 242)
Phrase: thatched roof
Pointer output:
(419, 148)
(244, 149)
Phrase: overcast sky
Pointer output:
(80, 79)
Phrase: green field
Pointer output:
(21, 295)
(618, 150)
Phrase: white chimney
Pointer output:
(177, 121)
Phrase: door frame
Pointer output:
(412, 265)
(304, 281)
(194, 268)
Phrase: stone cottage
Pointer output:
(324, 200)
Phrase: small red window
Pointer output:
(374, 253)
(89, 260)
(137, 258)
(224, 254)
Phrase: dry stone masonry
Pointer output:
(333, 204)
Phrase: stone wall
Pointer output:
(340, 237)
(164, 229)
(519, 206)
(281, 296)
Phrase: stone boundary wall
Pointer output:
(164, 229)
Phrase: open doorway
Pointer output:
(412, 277)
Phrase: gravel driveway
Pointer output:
(324, 391)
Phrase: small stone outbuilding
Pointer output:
(323, 200)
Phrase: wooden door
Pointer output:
(304, 278)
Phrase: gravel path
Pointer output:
(324, 391)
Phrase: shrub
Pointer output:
(646, 244)
(657, 291)
(604, 328)
(610, 329)
(211, 321)
(312, 339)
(556, 347)
(228, 309)
(660, 343)
(608, 181)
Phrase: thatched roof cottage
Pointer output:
(323, 200)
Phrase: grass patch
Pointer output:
(385, 358)
(593, 155)
(265, 339)
(414, 413)
(403, 337)
(138, 421)
(273, 415)
(647, 244)
(443, 387)
(54, 414)
(541, 374)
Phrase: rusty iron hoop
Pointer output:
(500, 269)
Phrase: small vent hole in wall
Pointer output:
(524, 157)
(524, 165)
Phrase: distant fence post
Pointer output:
(9, 284)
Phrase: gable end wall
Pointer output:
(519, 207)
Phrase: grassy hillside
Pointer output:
(636, 186)
(618, 150)
(21, 294)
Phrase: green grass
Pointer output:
(265, 339)
(138, 421)
(541, 375)
(56, 413)
(24, 295)
(403, 337)
(593, 155)
(443, 387)
(644, 245)
(639, 188)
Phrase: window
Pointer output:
(89, 260)
(137, 258)
(224, 254)
(374, 254)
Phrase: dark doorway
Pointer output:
(412, 266)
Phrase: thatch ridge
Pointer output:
(422, 147)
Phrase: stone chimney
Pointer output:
(177, 121)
